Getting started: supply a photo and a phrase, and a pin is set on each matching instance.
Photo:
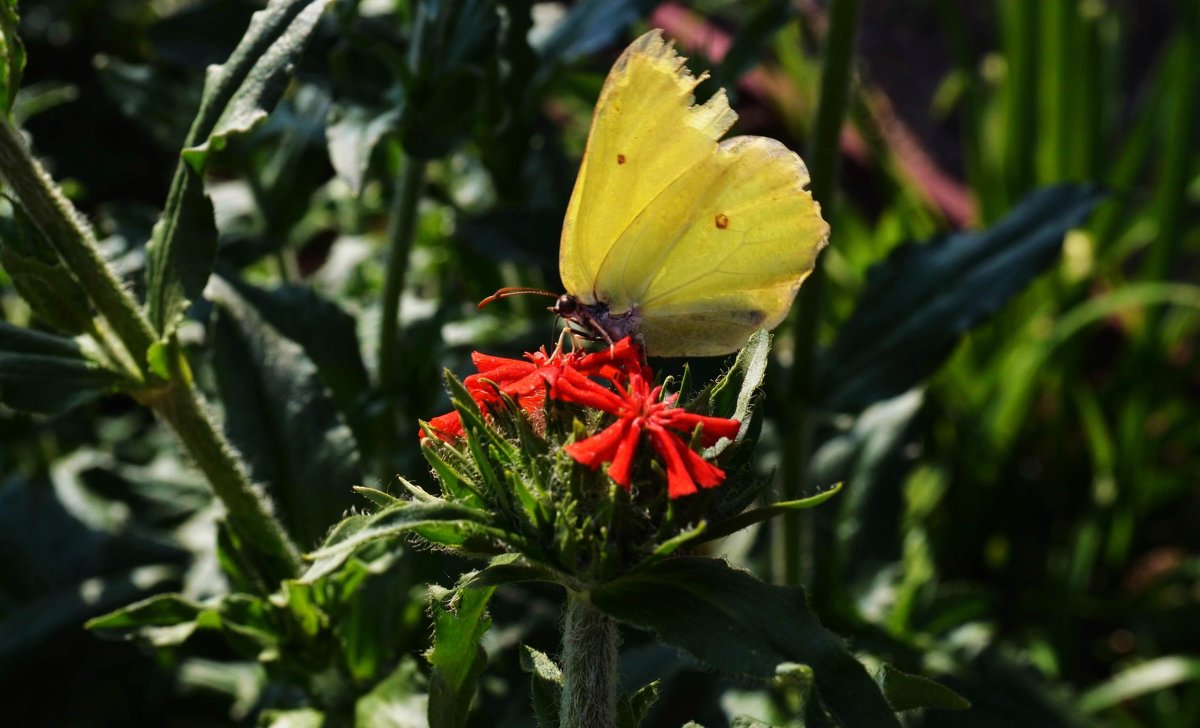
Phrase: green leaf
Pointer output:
(49, 374)
(352, 134)
(545, 685)
(37, 273)
(328, 335)
(732, 396)
(511, 569)
(731, 621)
(237, 97)
(459, 622)
(280, 417)
(12, 56)
(1144, 679)
(298, 718)
(745, 721)
(591, 26)
(393, 521)
(632, 709)
(397, 702)
(161, 621)
(913, 692)
(920, 301)
(749, 518)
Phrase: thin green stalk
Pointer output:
(176, 400)
(823, 162)
(590, 644)
(401, 230)
(73, 240)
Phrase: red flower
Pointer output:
(639, 410)
(525, 380)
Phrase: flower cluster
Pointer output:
(640, 410)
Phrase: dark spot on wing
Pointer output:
(722, 220)
(620, 159)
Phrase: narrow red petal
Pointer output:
(622, 463)
(714, 427)
(487, 364)
(600, 447)
(679, 480)
(574, 387)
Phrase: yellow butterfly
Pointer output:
(690, 242)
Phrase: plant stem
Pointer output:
(249, 511)
(73, 240)
(176, 400)
(589, 662)
(823, 161)
(401, 229)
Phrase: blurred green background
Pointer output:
(1020, 525)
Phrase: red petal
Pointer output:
(714, 427)
(685, 468)
(679, 480)
(622, 462)
(600, 447)
(447, 427)
(572, 386)
(487, 364)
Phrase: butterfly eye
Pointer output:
(566, 305)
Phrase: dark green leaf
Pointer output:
(12, 56)
(459, 621)
(545, 685)
(328, 335)
(632, 709)
(731, 621)
(237, 97)
(47, 373)
(912, 692)
(923, 298)
(591, 26)
(732, 396)
(37, 273)
(282, 420)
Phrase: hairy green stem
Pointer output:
(590, 645)
(176, 400)
(401, 230)
(823, 161)
(72, 238)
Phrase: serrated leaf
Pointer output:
(919, 302)
(913, 692)
(52, 292)
(731, 621)
(545, 685)
(12, 55)
(459, 621)
(280, 417)
(237, 96)
(732, 395)
(48, 374)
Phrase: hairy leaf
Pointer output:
(282, 420)
(47, 373)
(39, 276)
(237, 97)
(12, 56)
(459, 620)
(731, 621)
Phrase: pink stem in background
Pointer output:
(940, 188)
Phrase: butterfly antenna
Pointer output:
(515, 291)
